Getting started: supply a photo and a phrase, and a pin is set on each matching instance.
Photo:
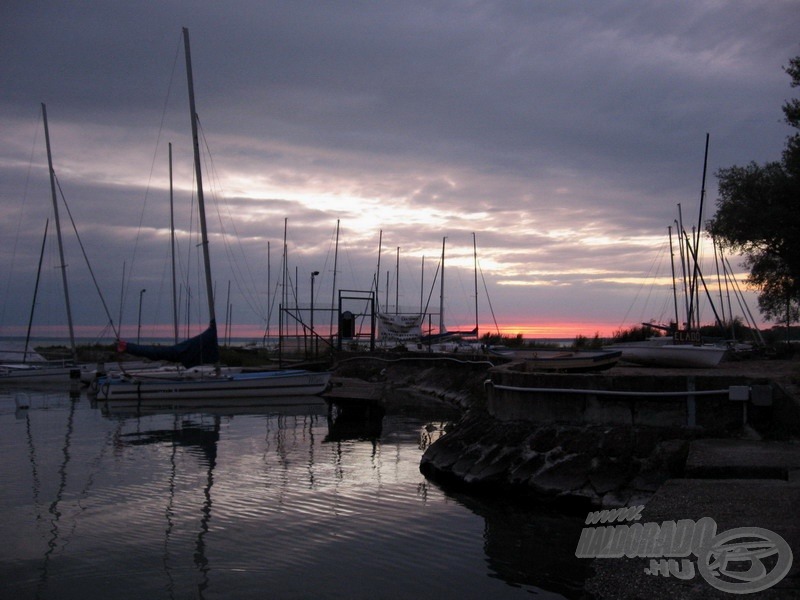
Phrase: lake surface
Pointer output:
(270, 502)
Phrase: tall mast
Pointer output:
(378, 272)
(702, 198)
(441, 293)
(35, 293)
(672, 266)
(284, 278)
(63, 266)
(335, 266)
(696, 238)
(269, 283)
(475, 261)
(172, 245)
(199, 176)
(421, 283)
(397, 283)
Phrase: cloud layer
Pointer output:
(564, 135)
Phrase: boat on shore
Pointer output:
(662, 352)
(572, 361)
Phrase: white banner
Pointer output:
(399, 328)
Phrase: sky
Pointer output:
(552, 140)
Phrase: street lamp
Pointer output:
(139, 330)
(313, 337)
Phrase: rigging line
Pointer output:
(86, 258)
(657, 257)
(745, 310)
(488, 299)
(126, 284)
(331, 243)
(248, 292)
(740, 299)
(433, 286)
(19, 220)
(653, 276)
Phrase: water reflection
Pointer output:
(354, 420)
(294, 501)
(199, 436)
(529, 544)
(53, 509)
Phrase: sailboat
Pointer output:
(218, 388)
(683, 348)
(32, 367)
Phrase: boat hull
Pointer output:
(672, 355)
(565, 361)
(215, 391)
(38, 374)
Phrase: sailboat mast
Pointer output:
(421, 283)
(172, 246)
(475, 264)
(397, 283)
(441, 292)
(269, 283)
(672, 266)
(35, 293)
(378, 272)
(63, 266)
(199, 176)
(335, 267)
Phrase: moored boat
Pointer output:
(215, 390)
(218, 387)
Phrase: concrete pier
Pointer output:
(715, 401)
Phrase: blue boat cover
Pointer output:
(201, 349)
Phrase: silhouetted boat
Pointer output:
(217, 386)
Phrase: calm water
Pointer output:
(271, 503)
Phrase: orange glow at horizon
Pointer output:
(557, 330)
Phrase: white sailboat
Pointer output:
(24, 365)
(212, 387)
(663, 352)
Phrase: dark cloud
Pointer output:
(564, 135)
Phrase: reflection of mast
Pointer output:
(34, 469)
(169, 511)
(53, 509)
(200, 558)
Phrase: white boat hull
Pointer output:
(563, 360)
(671, 355)
(35, 373)
(146, 370)
(215, 391)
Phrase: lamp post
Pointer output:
(313, 336)
(139, 329)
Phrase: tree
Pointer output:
(758, 215)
